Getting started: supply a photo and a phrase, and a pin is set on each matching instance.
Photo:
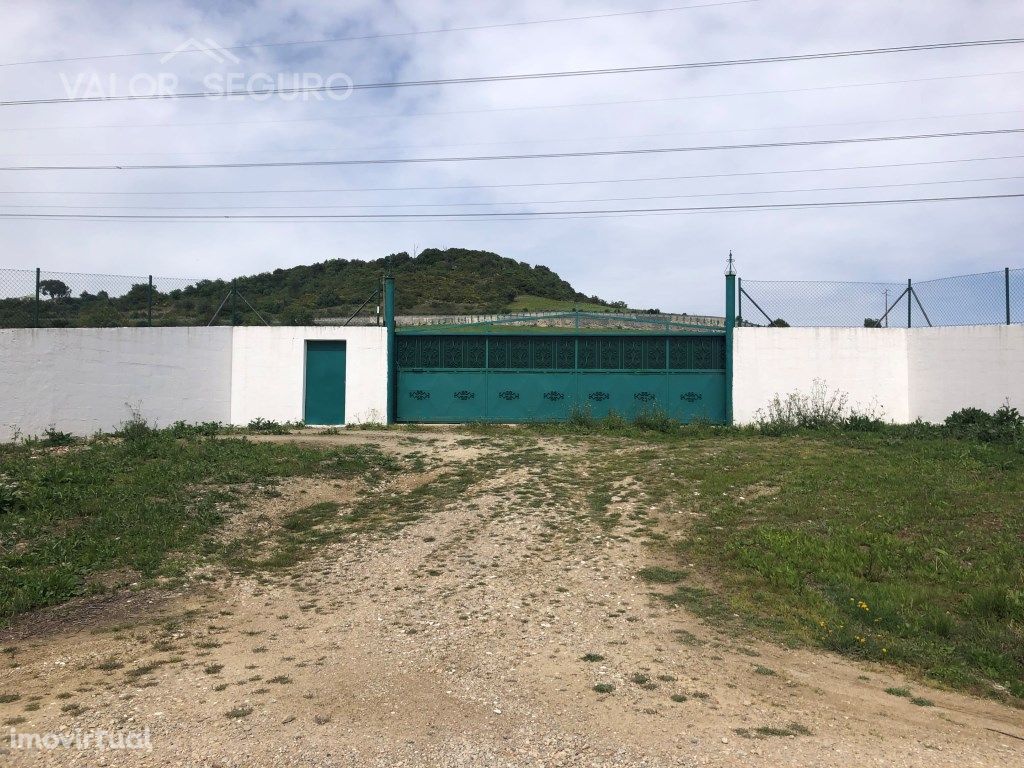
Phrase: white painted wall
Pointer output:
(268, 372)
(81, 380)
(976, 365)
(869, 364)
(908, 373)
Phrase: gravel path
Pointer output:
(461, 641)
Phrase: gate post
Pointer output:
(730, 326)
(389, 322)
(149, 303)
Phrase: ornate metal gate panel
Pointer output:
(516, 377)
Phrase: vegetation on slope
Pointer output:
(434, 282)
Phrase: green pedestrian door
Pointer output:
(325, 382)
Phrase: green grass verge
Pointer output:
(139, 503)
(905, 550)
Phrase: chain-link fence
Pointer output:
(986, 298)
(46, 299)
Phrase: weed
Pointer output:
(238, 712)
(54, 437)
(762, 670)
(267, 427)
(143, 669)
(213, 669)
(604, 688)
(592, 657)
(679, 698)
(7, 698)
(659, 575)
(766, 731)
(903, 692)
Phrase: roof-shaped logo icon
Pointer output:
(208, 46)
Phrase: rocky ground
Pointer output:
(504, 626)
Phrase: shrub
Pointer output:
(655, 420)
(581, 419)
(136, 430)
(820, 409)
(1006, 425)
(54, 437)
(968, 417)
(267, 426)
(181, 429)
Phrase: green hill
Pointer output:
(452, 281)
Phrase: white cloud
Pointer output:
(673, 262)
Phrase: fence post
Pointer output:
(389, 322)
(234, 303)
(35, 307)
(739, 298)
(730, 326)
(149, 303)
(1006, 281)
(910, 302)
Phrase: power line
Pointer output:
(570, 105)
(521, 77)
(620, 137)
(535, 156)
(496, 214)
(380, 36)
(522, 184)
(506, 202)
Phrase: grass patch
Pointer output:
(238, 712)
(127, 503)
(592, 657)
(604, 688)
(767, 731)
(885, 546)
(659, 575)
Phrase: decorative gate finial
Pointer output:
(730, 265)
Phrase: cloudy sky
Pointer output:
(673, 261)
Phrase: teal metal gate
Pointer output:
(510, 376)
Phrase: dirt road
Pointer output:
(503, 627)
